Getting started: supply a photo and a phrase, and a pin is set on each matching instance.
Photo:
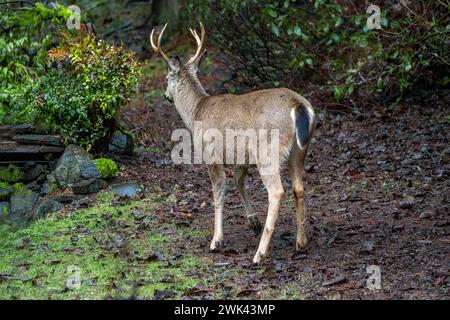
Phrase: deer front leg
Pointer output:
(239, 181)
(276, 192)
(218, 181)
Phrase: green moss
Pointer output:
(107, 168)
(4, 184)
(5, 190)
(50, 246)
(11, 174)
(53, 187)
(4, 211)
(17, 187)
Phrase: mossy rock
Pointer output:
(4, 209)
(17, 187)
(107, 168)
(5, 191)
(11, 174)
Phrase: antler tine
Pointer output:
(158, 48)
(200, 42)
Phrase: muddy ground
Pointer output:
(376, 193)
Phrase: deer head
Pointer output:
(182, 81)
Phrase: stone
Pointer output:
(23, 201)
(75, 166)
(5, 192)
(32, 172)
(89, 186)
(121, 143)
(46, 207)
(126, 190)
(34, 186)
(407, 203)
(49, 185)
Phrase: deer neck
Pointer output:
(189, 93)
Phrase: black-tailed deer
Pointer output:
(281, 109)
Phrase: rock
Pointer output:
(126, 190)
(407, 203)
(34, 186)
(46, 207)
(50, 185)
(121, 143)
(11, 174)
(32, 171)
(5, 209)
(90, 186)
(23, 201)
(75, 166)
(5, 192)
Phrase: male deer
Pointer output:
(281, 109)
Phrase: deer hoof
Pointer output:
(258, 258)
(216, 245)
(255, 225)
(301, 248)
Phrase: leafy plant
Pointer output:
(326, 44)
(86, 84)
(26, 35)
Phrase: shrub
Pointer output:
(107, 168)
(68, 81)
(326, 45)
(26, 35)
(83, 90)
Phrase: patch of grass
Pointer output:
(35, 261)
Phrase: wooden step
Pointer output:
(38, 139)
(12, 152)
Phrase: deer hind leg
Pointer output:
(239, 175)
(218, 180)
(296, 166)
(276, 192)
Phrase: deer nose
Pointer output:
(168, 99)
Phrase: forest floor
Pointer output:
(376, 194)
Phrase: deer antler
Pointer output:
(200, 42)
(158, 48)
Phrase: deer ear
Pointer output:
(174, 64)
(200, 59)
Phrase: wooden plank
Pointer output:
(38, 139)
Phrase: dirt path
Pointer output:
(377, 193)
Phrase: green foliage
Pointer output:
(5, 191)
(327, 44)
(26, 35)
(11, 174)
(107, 168)
(83, 90)
(69, 82)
